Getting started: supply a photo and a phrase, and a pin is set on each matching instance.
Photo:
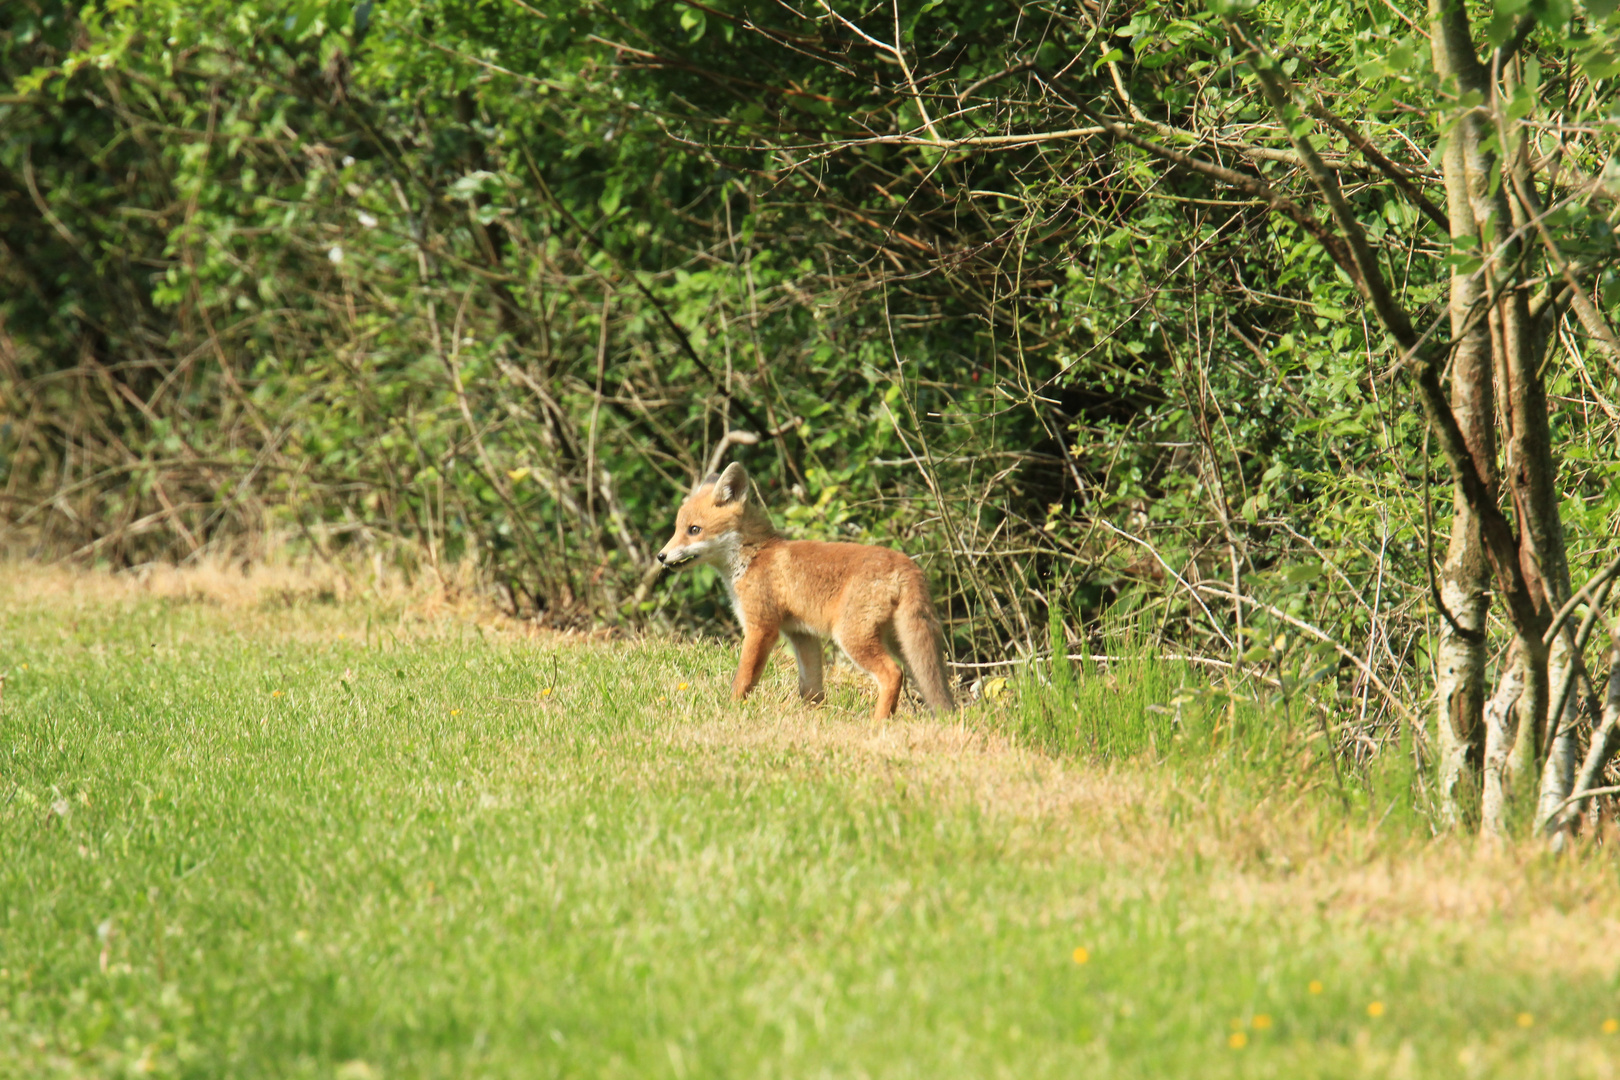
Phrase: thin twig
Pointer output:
(1294, 621)
(1598, 580)
(1192, 591)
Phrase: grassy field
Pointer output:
(249, 828)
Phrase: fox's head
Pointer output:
(709, 525)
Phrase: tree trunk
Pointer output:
(1465, 577)
(1500, 728)
(1460, 660)
(1558, 768)
(1516, 347)
(1531, 476)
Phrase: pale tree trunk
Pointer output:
(1520, 762)
(1465, 577)
(1558, 768)
(1460, 662)
(1541, 565)
(1531, 476)
(1500, 728)
(1532, 473)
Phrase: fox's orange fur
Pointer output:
(872, 601)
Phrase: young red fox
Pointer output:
(872, 600)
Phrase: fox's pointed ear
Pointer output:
(732, 485)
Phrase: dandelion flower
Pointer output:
(1081, 954)
(1610, 1026)
(1261, 1022)
(1237, 1040)
(545, 691)
(455, 712)
(1525, 1020)
(1375, 1009)
(682, 686)
(275, 693)
(1315, 987)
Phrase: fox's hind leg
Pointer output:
(807, 651)
(867, 650)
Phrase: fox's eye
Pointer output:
(694, 530)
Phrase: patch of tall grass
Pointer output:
(1130, 704)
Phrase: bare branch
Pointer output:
(1521, 34)
(746, 438)
(968, 141)
(1249, 185)
(1192, 591)
(1369, 278)
(1400, 176)
(1598, 751)
(1300, 624)
(1599, 579)
(892, 50)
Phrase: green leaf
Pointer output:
(1302, 573)
(474, 184)
(611, 195)
(694, 22)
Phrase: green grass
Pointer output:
(300, 839)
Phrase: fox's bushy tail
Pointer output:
(922, 646)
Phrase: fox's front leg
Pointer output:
(756, 649)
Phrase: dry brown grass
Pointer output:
(958, 760)
(272, 587)
(1517, 901)
(221, 582)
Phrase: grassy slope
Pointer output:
(260, 839)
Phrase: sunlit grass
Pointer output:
(336, 840)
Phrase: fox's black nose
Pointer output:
(660, 556)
